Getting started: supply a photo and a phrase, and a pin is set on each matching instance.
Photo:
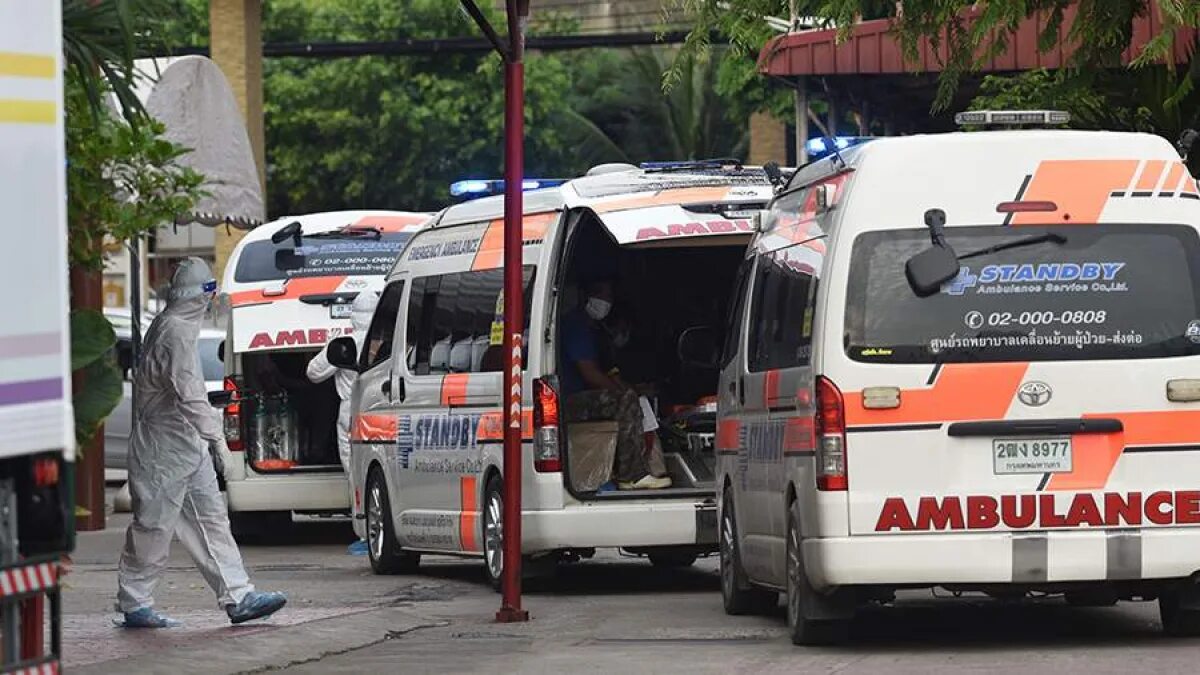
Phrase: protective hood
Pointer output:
(187, 297)
(362, 310)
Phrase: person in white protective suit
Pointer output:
(320, 370)
(175, 453)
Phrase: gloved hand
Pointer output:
(216, 449)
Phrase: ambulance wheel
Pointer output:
(1178, 613)
(800, 593)
(740, 598)
(382, 546)
(493, 532)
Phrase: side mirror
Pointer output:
(220, 399)
(697, 347)
(291, 231)
(343, 353)
(288, 259)
(928, 270)
(221, 352)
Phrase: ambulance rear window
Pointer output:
(1101, 292)
(324, 255)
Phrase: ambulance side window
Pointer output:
(781, 314)
(737, 313)
(378, 345)
(453, 322)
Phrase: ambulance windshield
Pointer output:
(1090, 292)
(321, 254)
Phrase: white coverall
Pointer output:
(320, 369)
(176, 434)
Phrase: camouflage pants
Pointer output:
(603, 404)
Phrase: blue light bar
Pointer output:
(473, 188)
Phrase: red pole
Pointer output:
(514, 311)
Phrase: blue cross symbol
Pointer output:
(959, 284)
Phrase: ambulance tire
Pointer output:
(740, 598)
(383, 547)
(492, 524)
(1178, 612)
(800, 593)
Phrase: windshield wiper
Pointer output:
(342, 234)
(1017, 243)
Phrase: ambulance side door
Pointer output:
(373, 429)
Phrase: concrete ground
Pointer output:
(610, 614)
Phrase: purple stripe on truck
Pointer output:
(30, 344)
(31, 391)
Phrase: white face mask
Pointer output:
(598, 308)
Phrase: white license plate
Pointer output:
(1031, 455)
(340, 311)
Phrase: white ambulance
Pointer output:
(427, 453)
(969, 361)
(287, 290)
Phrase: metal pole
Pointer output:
(135, 312)
(514, 310)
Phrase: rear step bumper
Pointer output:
(290, 492)
(1004, 557)
(620, 524)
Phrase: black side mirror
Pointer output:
(697, 347)
(343, 353)
(288, 259)
(220, 399)
(929, 269)
(221, 352)
(291, 231)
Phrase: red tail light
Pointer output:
(546, 458)
(233, 418)
(831, 437)
(45, 472)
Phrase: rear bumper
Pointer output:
(621, 524)
(290, 492)
(1004, 558)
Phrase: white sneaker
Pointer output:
(646, 482)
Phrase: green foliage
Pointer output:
(92, 340)
(1101, 29)
(394, 132)
(122, 181)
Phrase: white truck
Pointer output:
(36, 422)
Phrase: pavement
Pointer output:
(608, 614)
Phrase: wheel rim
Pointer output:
(727, 573)
(375, 520)
(793, 575)
(493, 534)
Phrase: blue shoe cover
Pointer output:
(357, 548)
(256, 605)
(146, 617)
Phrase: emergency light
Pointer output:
(473, 188)
(1012, 117)
(820, 146)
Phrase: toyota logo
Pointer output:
(1034, 393)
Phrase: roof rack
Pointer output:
(718, 163)
(1012, 117)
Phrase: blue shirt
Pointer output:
(578, 344)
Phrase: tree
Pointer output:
(971, 32)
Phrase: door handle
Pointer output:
(386, 387)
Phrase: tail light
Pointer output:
(233, 418)
(45, 472)
(546, 457)
(831, 437)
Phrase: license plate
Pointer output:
(1031, 455)
(340, 311)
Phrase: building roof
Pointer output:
(871, 49)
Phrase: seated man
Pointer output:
(592, 392)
